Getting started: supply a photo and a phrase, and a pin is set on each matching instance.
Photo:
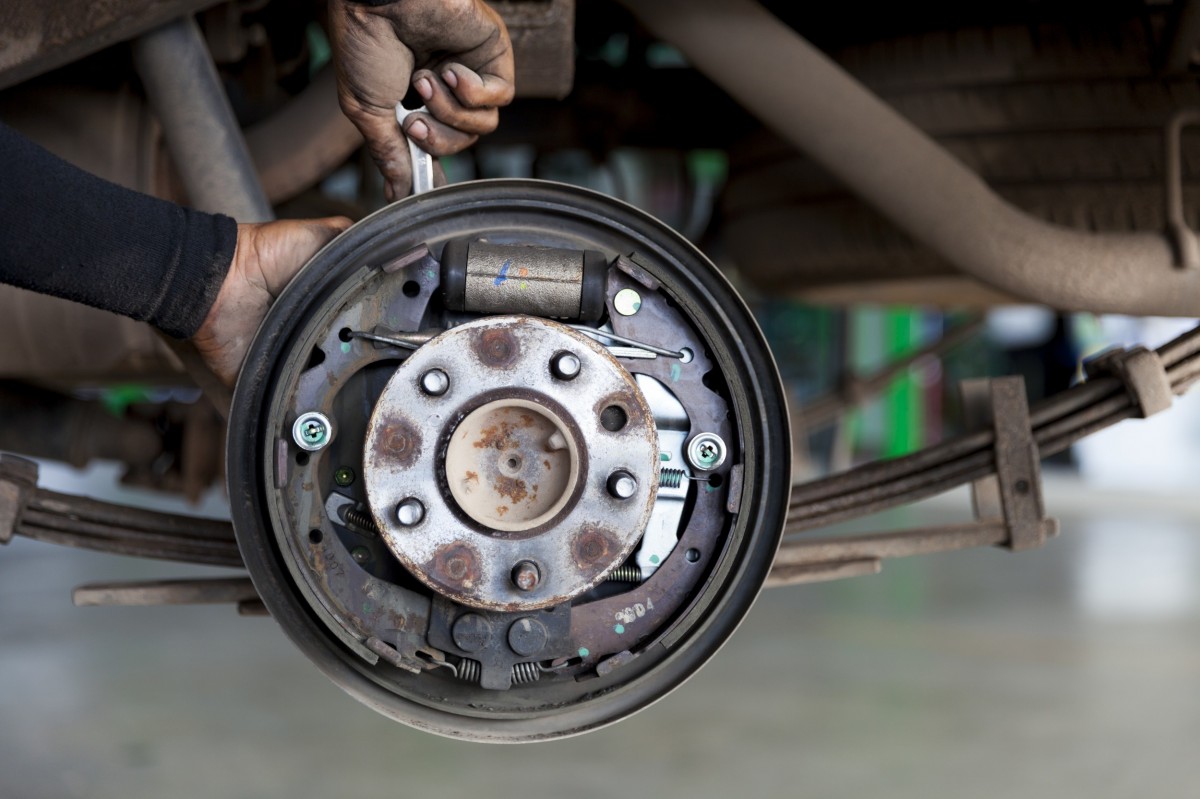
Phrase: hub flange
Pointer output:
(511, 464)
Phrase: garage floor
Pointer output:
(1067, 672)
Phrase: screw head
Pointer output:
(622, 484)
(706, 451)
(565, 366)
(627, 302)
(344, 476)
(360, 554)
(435, 382)
(526, 575)
(410, 511)
(312, 431)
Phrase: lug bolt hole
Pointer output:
(526, 575)
(565, 366)
(435, 382)
(613, 418)
(410, 512)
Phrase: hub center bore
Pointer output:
(512, 465)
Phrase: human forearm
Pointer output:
(73, 235)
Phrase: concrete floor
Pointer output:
(1066, 672)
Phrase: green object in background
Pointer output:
(708, 166)
(318, 47)
(892, 424)
(904, 431)
(117, 399)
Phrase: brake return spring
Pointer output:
(361, 520)
(671, 478)
(525, 673)
(469, 670)
(625, 574)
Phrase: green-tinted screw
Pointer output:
(706, 451)
(344, 476)
(312, 431)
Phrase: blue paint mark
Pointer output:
(676, 371)
(345, 346)
(503, 276)
(654, 558)
(583, 652)
(618, 629)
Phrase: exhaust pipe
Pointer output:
(887, 161)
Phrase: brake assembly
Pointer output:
(509, 460)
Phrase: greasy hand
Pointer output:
(267, 257)
(463, 64)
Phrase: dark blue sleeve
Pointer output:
(71, 234)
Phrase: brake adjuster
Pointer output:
(509, 460)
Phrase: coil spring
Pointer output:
(359, 519)
(526, 672)
(671, 478)
(469, 670)
(625, 574)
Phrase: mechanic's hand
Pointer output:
(464, 71)
(267, 257)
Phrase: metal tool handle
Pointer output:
(422, 162)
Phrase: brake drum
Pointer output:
(508, 460)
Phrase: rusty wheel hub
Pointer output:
(510, 464)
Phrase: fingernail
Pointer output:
(418, 130)
(424, 88)
(451, 78)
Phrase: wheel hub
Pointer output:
(511, 464)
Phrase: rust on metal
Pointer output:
(526, 575)
(401, 441)
(511, 487)
(496, 347)
(457, 565)
(592, 545)
(499, 436)
(632, 404)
